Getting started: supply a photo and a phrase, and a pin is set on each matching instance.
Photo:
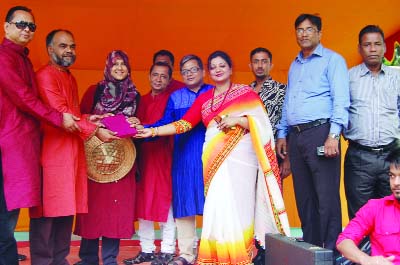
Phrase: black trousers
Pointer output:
(316, 182)
(50, 240)
(89, 251)
(8, 221)
(365, 177)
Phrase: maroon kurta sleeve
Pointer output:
(88, 100)
(21, 91)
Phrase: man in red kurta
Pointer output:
(154, 190)
(63, 160)
(20, 112)
(168, 58)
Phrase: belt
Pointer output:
(305, 126)
(376, 149)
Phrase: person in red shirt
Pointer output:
(20, 112)
(167, 57)
(64, 173)
(154, 189)
(378, 219)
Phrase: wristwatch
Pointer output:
(334, 136)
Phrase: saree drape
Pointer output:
(241, 178)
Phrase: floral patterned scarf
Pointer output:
(116, 96)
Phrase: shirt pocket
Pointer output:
(388, 236)
(389, 88)
(315, 81)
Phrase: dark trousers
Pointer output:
(8, 221)
(89, 251)
(316, 182)
(50, 239)
(365, 177)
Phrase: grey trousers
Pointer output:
(50, 240)
(365, 177)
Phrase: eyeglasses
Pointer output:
(192, 70)
(23, 24)
(309, 30)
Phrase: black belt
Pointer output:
(305, 126)
(376, 149)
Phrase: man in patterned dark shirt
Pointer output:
(272, 94)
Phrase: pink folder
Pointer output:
(120, 125)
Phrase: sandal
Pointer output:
(141, 257)
(180, 261)
(163, 259)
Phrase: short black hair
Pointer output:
(221, 54)
(164, 53)
(189, 57)
(162, 64)
(12, 10)
(50, 36)
(314, 19)
(394, 155)
(370, 29)
(261, 49)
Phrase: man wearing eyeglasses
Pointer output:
(20, 113)
(314, 113)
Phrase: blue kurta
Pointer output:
(187, 168)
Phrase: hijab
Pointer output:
(116, 96)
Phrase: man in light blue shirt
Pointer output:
(314, 113)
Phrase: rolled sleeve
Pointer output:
(282, 126)
(360, 226)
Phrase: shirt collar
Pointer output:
(364, 69)
(203, 87)
(384, 68)
(391, 200)
(254, 83)
(318, 51)
(24, 51)
(59, 68)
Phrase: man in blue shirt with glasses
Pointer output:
(314, 113)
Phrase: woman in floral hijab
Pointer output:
(111, 205)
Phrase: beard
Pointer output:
(397, 196)
(261, 76)
(63, 61)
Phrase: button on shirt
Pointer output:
(379, 219)
(373, 114)
(318, 87)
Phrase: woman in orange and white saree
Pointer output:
(241, 174)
